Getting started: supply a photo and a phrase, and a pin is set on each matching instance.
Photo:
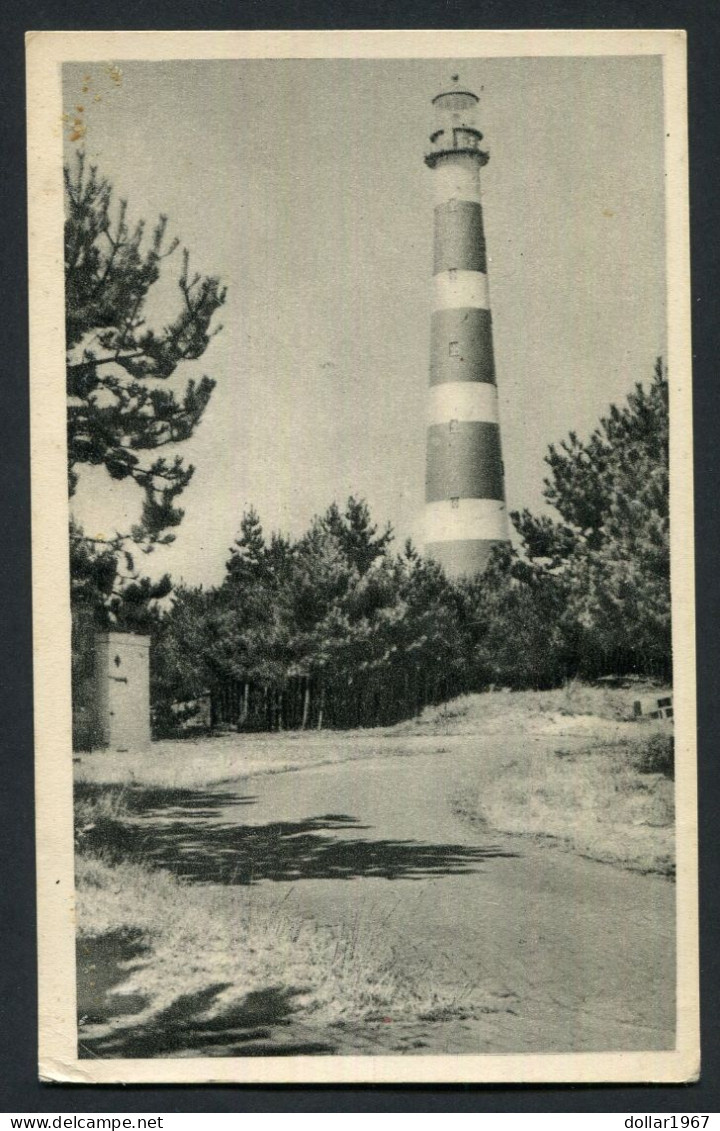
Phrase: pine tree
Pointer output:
(517, 625)
(117, 408)
(356, 534)
(610, 551)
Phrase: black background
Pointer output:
(19, 1088)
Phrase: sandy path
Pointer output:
(573, 954)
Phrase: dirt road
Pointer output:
(569, 954)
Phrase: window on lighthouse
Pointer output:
(454, 349)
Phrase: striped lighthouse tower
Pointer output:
(465, 513)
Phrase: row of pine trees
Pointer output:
(339, 629)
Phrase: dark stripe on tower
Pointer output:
(465, 557)
(459, 237)
(461, 346)
(464, 461)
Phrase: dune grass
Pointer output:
(493, 710)
(225, 944)
(612, 801)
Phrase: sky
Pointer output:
(301, 183)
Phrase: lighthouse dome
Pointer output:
(455, 129)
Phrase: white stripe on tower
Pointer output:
(447, 523)
(457, 180)
(463, 400)
(457, 288)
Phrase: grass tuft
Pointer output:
(611, 801)
(198, 937)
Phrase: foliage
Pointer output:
(118, 412)
(519, 636)
(331, 629)
(590, 594)
(656, 755)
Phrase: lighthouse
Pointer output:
(465, 511)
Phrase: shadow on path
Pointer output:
(103, 962)
(259, 1025)
(163, 802)
(208, 851)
